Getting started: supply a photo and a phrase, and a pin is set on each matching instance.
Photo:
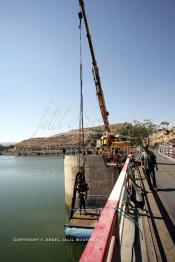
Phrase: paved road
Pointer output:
(166, 185)
(159, 222)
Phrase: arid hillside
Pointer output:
(165, 136)
(70, 138)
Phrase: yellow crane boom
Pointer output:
(95, 71)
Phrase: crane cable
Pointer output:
(81, 122)
(80, 185)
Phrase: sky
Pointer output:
(134, 42)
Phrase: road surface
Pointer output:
(166, 185)
(159, 220)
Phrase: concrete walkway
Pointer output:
(158, 216)
(153, 238)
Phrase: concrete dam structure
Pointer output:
(99, 177)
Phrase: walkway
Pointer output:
(147, 233)
(159, 214)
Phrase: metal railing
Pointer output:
(104, 243)
(168, 151)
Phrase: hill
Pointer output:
(163, 136)
(70, 138)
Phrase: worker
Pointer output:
(82, 203)
(148, 162)
(82, 189)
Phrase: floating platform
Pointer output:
(82, 225)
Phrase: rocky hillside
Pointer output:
(70, 138)
(165, 136)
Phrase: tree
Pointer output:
(164, 124)
(1, 148)
(138, 131)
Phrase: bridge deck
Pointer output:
(159, 214)
(148, 233)
(159, 222)
(156, 221)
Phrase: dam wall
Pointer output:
(99, 177)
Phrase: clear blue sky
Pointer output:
(134, 42)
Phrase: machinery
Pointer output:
(107, 139)
(110, 148)
(95, 71)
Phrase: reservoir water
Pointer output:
(32, 211)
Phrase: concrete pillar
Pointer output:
(99, 177)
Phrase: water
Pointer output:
(32, 208)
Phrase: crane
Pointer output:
(107, 139)
(80, 185)
(95, 71)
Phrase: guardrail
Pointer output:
(104, 244)
(169, 151)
